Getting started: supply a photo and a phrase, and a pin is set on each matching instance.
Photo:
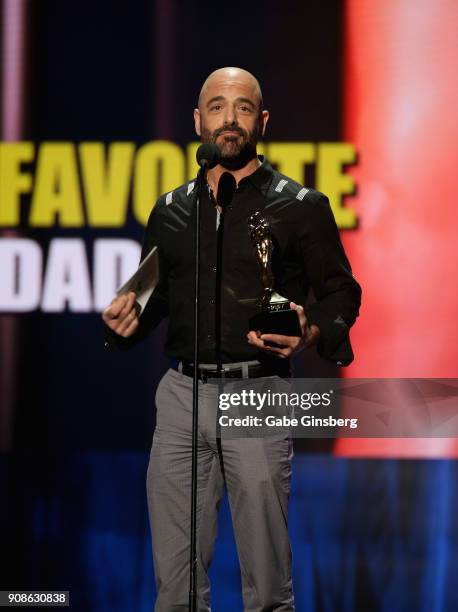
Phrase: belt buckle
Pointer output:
(233, 373)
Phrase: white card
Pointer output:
(144, 281)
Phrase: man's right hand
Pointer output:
(122, 314)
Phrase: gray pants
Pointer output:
(257, 474)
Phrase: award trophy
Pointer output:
(275, 316)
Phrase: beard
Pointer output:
(235, 150)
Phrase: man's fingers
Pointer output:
(129, 304)
(114, 309)
(285, 346)
(125, 322)
(121, 313)
(253, 338)
(301, 314)
(280, 352)
(281, 341)
(276, 338)
(131, 329)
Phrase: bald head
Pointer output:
(224, 77)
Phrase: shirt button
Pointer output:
(213, 268)
(212, 301)
(209, 337)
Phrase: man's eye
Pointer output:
(216, 107)
(245, 109)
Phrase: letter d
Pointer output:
(20, 279)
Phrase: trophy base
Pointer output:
(281, 322)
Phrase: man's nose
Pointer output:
(230, 117)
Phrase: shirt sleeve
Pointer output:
(338, 295)
(156, 308)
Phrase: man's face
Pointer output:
(230, 116)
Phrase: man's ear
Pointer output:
(264, 118)
(197, 121)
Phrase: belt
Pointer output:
(243, 369)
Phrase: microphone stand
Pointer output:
(200, 185)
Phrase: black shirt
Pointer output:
(308, 254)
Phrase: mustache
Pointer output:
(228, 128)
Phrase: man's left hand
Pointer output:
(286, 346)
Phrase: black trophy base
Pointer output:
(282, 322)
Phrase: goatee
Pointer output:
(235, 151)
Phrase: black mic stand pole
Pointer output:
(195, 394)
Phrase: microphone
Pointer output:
(208, 156)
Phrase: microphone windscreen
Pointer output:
(208, 155)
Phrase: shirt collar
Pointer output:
(262, 176)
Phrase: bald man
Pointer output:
(308, 254)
